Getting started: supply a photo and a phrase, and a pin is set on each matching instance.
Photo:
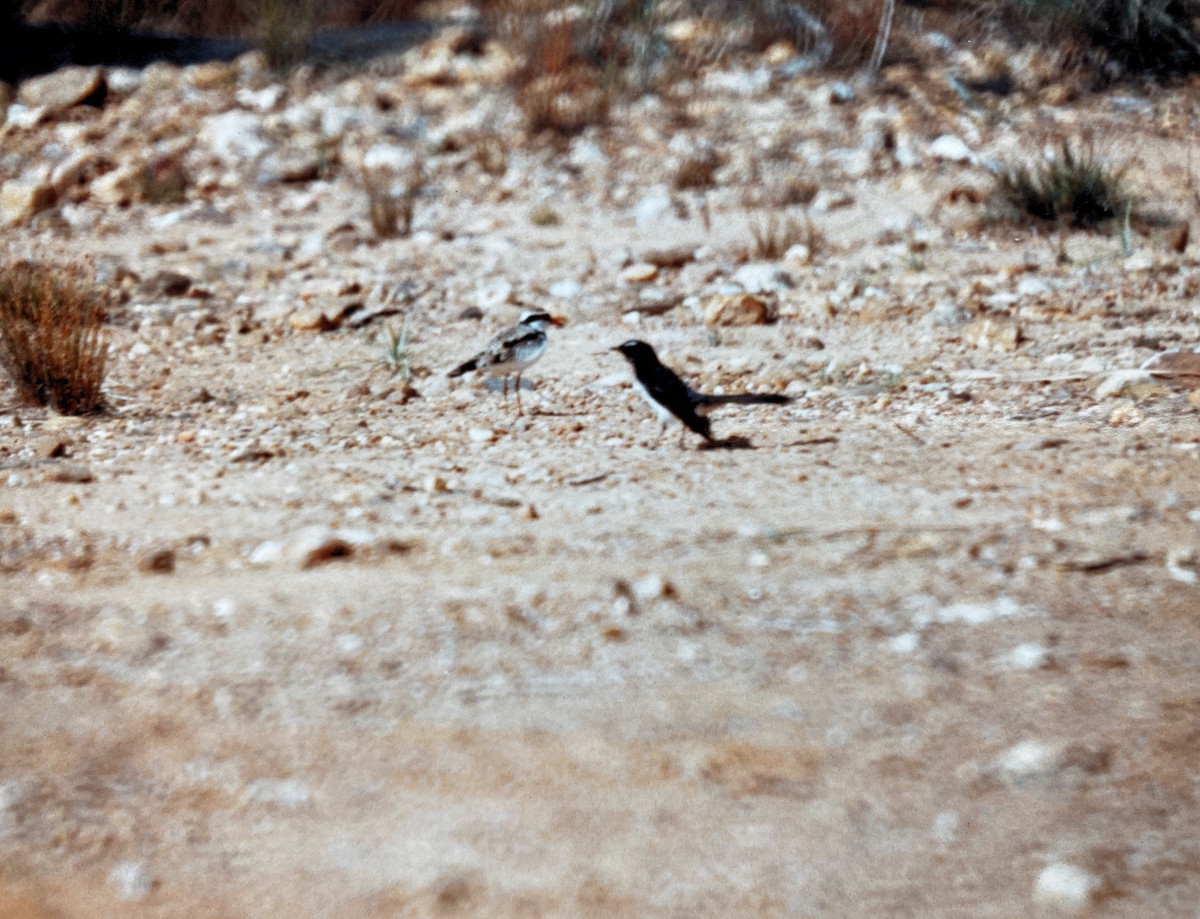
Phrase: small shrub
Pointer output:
(1072, 188)
(52, 340)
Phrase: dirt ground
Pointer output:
(277, 641)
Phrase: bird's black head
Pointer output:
(636, 351)
(538, 319)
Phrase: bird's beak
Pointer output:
(557, 320)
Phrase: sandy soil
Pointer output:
(928, 649)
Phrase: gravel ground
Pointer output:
(281, 635)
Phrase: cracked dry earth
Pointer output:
(276, 641)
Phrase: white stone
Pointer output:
(649, 587)
(1028, 656)
(981, 613)
(1032, 287)
(905, 643)
(951, 148)
(763, 278)
(391, 157)
(262, 99)
(1065, 886)
(492, 294)
(131, 880)
(269, 552)
(653, 209)
(1028, 759)
(566, 289)
(587, 153)
(481, 435)
(1116, 383)
(234, 136)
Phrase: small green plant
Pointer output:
(52, 339)
(1072, 188)
(395, 350)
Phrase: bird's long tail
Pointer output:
(470, 365)
(746, 398)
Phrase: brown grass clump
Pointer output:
(774, 235)
(52, 339)
(390, 209)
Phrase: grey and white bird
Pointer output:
(670, 397)
(511, 352)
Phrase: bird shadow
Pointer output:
(736, 442)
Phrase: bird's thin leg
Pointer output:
(519, 411)
(504, 389)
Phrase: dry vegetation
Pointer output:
(379, 651)
(1070, 186)
(52, 340)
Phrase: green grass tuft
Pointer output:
(1072, 188)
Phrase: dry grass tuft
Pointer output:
(52, 339)
(773, 235)
(575, 62)
(391, 208)
(1072, 188)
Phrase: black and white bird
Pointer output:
(670, 396)
(512, 351)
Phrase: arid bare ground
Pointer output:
(277, 641)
